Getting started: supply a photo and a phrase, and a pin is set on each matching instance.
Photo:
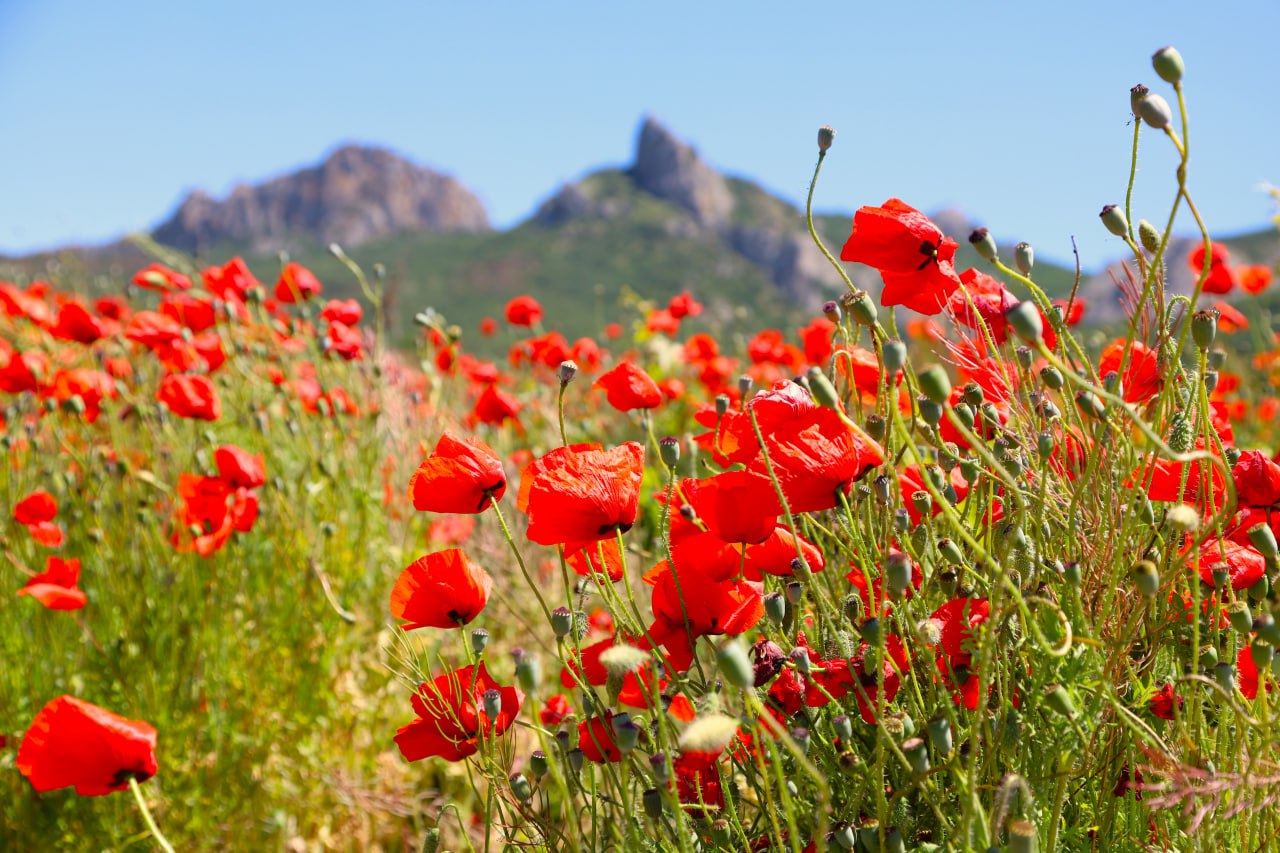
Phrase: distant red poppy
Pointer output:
(582, 493)
(1162, 704)
(585, 559)
(75, 323)
(1257, 480)
(239, 467)
(684, 305)
(628, 387)
(56, 587)
(231, 281)
(1221, 277)
(554, 710)
(1142, 378)
(35, 508)
(344, 341)
(1254, 279)
(22, 371)
(488, 326)
(698, 780)
(153, 329)
(297, 284)
(911, 253)
(159, 277)
(1230, 318)
(345, 311)
(816, 339)
(597, 741)
(661, 321)
(451, 529)
(494, 406)
(462, 476)
(440, 590)
(193, 312)
(613, 331)
(211, 509)
(190, 396)
(72, 743)
(451, 715)
(523, 311)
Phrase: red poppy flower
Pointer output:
(22, 371)
(345, 311)
(628, 387)
(698, 780)
(911, 253)
(662, 322)
(451, 529)
(239, 467)
(1221, 278)
(153, 330)
(1142, 378)
(75, 323)
(596, 558)
(231, 281)
(684, 305)
(1072, 311)
(190, 311)
(72, 743)
(1163, 702)
(462, 476)
(55, 587)
(1247, 675)
(37, 507)
(554, 710)
(451, 715)
(1257, 480)
(596, 740)
(1254, 279)
(158, 277)
(211, 510)
(582, 493)
(495, 406)
(735, 506)
(1244, 565)
(440, 590)
(297, 284)
(190, 396)
(959, 620)
(1230, 319)
(523, 311)
(776, 555)
(816, 458)
(730, 607)
(816, 339)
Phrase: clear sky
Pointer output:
(110, 111)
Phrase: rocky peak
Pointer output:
(355, 195)
(673, 171)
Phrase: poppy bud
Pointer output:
(1113, 218)
(775, 606)
(939, 731)
(842, 726)
(1154, 110)
(930, 412)
(1231, 455)
(800, 658)
(901, 520)
(479, 640)
(922, 502)
(1261, 590)
(1024, 257)
(882, 488)
(852, 608)
(1262, 653)
(538, 763)
(625, 732)
(1089, 404)
(561, 621)
(1168, 64)
(567, 371)
(744, 386)
(870, 630)
(861, 307)
(842, 837)
(1239, 616)
(1022, 836)
(822, 389)
(801, 737)
(520, 787)
(732, 661)
(898, 572)
(1265, 626)
(1204, 328)
(831, 308)
(1264, 539)
(969, 470)
(1024, 319)
(1147, 578)
(658, 763)
(964, 414)
(1149, 236)
(827, 134)
(794, 591)
(1059, 700)
(917, 755)
(983, 243)
(1224, 672)
(669, 451)
(576, 759)
(950, 551)
(652, 798)
(935, 383)
(893, 353)
(875, 426)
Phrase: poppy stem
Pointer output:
(813, 232)
(146, 816)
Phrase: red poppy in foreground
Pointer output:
(1257, 480)
(462, 476)
(190, 396)
(231, 281)
(911, 253)
(75, 743)
(239, 467)
(734, 506)
(1244, 565)
(816, 458)
(582, 493)
(55, 587)
(440, 590)
(596, 740)
(451, 715)
(628, 387)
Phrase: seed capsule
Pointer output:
(1168, 64)
(984, 244)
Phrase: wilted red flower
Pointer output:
(1221, 277)
(345, 311)
(1257, 480)
(1142, 379)
(523, 310)
(189, 395)
(911, 253)
(1254, 279)
(582, 493)
(55, 587)
(596, 739)
(1162, 704)
(75, 743)
(451, 715)
(230, 282)
(297, 284)
(239, 467)
(158, 277)
(462, 476)
(628, 387)
(440, 590)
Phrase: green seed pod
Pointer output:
(875, 426)
(894, 354)
(1147, 578)
(1261, 590)
(1262, 653)
(722, 405)
(1024, 318)
(561, 621)
(1022, 836)
(652, 798)
(1091, 405)
(826, 137)
(1168, 64)
(939, 731)
(1265, 626)
(625, 732)
(1059, 701)
(566, 371)
(930, 412)
(870, 630)
(897, 571)
(935, 383)
(799, 657)
(842, 726)
(973, 395)
(492, 703)
(1045, 445)
(1113, 219)
(984, 244)
(1154, 110)
(950, 551)
(1204, 327)
(1024, 357)
(1224, 672)
(794, 592)
(882, 488)
(775, 607)
(520, 787)
(922, 502)
(1209, 656)
(1217, 359)
(949, 583)
(969, 470)
(1264, 539)
(917, 755)
(734, 665)
(1239, 616)
(538, 765)
(822, 389)
(1149, 236)
(528, 672)
(861, 307)
(843, 837)
(894, 842)
(869, 835)
(479, 641)
(1024, 258)
(964, 414)
(669, 451)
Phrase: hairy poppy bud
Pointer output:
(1022, 836)
(894, 354)
(1147, 578)
(669, 451)
(1149, 236)
(822, 389)
(861, 307)
(538, 765)
(827, 135)
(1264, 539)
(775, 607)
(832, 309)
(970, 470)
(1239, 616)
(842, 838)
(964, 414)
(520, 787)
(431, 840)
(1113, 218)
(917, 755)
(1204, 327)
(983, 243)
(732, 661)
(882, 487)
(1155, 111)
(1168, 64)
(935, 383)
(939, 731)
(1024, 258)
(1059, 700)
(1024, 318)
(1265, 626)
(950, 551)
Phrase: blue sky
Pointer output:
(111, 111)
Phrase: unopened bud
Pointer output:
(669, 451)
(1155, 111)
(1168, 64)
(861, 308)
(734, 665)
(1024, 318)
(935, 383)
(983, 243)
(1204, 327)
(1113, 219)
(917, 755)
(1147, 578)
(822, 389)
(1148, 235)
(894, 353)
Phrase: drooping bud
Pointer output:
(1168, 64)
(983, 243)
(1113, 219)
(1224, 672)
(822, 389)
(831, 308)
(734, 665)
(894, 353)
(1024, 257)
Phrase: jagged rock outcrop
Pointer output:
(673, 171)
(356, 195)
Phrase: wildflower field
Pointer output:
(948, 568)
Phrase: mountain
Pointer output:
(356, 195)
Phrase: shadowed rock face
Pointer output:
(356, 195)
(666, 167)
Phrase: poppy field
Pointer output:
(949, 567)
